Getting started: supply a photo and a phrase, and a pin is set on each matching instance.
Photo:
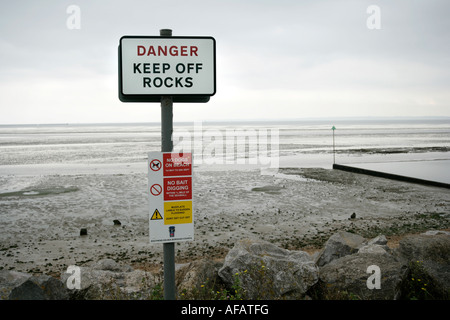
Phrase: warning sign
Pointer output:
(155, 189)
(182, 67)
(156, 215)
(155, 165)
(177, 188)
(177, 164)
(178, 212)
(170, 186)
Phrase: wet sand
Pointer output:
(295, 208)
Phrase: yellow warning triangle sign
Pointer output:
(156, 215)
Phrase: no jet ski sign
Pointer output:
(182, 67)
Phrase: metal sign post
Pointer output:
(167, 146)
(168, 69)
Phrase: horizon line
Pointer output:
(343, 118)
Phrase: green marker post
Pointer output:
(334, 150)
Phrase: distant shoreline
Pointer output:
(312, 120)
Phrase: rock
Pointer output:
(21, 286)
(347, 277)
(9, 280)
(375, 245)
(117, 222)
(138, 284)
(106, 279)
(353, 216)
(338, 245)
(29, 290)
(380, 240)
(53, 288)
(92, 282)
(261, 270)
(194, 275)
(266, 271)
(374, 248)
(432, 250)
(436, 232)
(83, 232)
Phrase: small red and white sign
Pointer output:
(177, 164)
(179, 188)
(155, 189)
(155, 165)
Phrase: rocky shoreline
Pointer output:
(349, 266)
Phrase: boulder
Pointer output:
(265, 271)
(347, 276)
(374, 248)
(375, 245)
(22, 286)
(432, 251)
(354, 276)
(436, 232)
(41, 287)
(380, 240)
(338, 245)
(106, 279)
(29, 290)
(196, 275)
(9, 280)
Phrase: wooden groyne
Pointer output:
(391, 176)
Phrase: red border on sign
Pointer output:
(155, 189)
(155, 161)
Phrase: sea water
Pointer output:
(36, 150)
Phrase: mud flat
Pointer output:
(293, 208)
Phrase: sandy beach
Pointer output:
(295, 208)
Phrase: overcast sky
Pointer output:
(276, 59)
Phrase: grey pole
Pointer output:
(334, 150)
(167, 146)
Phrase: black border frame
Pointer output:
(189, 98)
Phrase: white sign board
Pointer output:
(166, 66)
(171, 216)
